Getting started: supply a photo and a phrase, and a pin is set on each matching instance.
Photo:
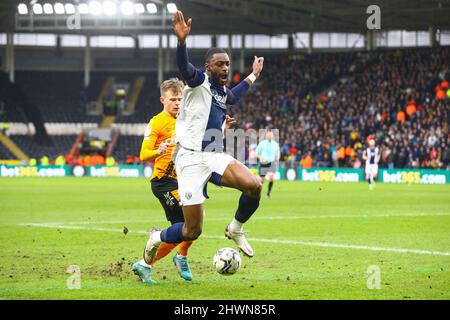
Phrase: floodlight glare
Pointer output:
(139, 8)
(48, 8)
(109, 8)
(172, 7)
(83, 8)
(22, 8)
(59, 8)
(70, 9)
(151, 8)
(37, 8)
(127, 8)
(95, 8)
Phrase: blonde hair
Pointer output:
(174, 85)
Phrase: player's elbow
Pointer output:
(146, 157)
(185, 73)
(143, 157)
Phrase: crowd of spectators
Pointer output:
(325, 106)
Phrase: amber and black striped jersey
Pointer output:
(161, 128)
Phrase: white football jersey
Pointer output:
(372, 155)
(200, 124)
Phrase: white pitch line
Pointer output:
(104, 222)
(311, 217)
(62, 226)
(295, 242)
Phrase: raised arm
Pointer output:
(182, 29)
(239, 90)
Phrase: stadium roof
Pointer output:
(280, 17)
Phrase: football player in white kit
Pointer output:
(200, 158)
(372, 157)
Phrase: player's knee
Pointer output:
(193, 233)
(258, 186)
(254, 187)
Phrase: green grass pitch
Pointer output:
(311, 241)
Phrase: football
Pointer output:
(227, 261)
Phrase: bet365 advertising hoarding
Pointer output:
(409, 176)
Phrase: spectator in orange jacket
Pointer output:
(341, 156)
(401, 116)
(411, 110)
(307, 161)
(97, 160)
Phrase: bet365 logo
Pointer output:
(374, 20)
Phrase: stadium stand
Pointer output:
(10, 99)
(5, 153)
(61, 96)
(58, 145)
(127, 146)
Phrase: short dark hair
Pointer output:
(213, 51)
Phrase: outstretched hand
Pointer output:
(162, 148)
(229, 122)
(181, 27)
(258, 64)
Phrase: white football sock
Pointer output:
(236, 225)
(144, 264)
(156, 237)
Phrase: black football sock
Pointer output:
(247, 206)
(270, 188)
